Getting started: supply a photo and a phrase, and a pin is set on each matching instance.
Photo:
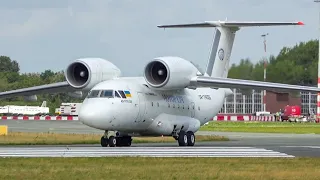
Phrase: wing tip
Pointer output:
(300, 23)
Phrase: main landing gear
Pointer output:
(114, 141)
(186, 138)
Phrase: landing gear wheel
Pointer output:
(127, 141)
(182, 139)
(191, 138)
(124, 141)
(112, 141)
(104, 141)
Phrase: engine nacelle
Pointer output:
(169, 73)
(85, 73)
(32, 98)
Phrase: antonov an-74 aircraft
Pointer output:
(173, 98)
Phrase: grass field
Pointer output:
(266, 127)
(14, 138)
(159, 168)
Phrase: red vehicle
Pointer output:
(291, 113)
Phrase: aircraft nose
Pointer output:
(93, 114)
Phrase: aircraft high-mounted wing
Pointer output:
(215, 82)
(47, 88)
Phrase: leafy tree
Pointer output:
(293, 65)
(8, 65)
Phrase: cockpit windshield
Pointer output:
(93, 94)
(107, 93)
(101, 93)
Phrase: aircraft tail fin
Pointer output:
(44, 104)
(218, 63)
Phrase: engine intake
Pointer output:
(169, 73)
(87, 72)
(157, 73)
(78, 74)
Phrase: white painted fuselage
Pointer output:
(149, 112)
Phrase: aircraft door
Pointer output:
(192, 109)
(142, 107)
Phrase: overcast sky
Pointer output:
(43, 34)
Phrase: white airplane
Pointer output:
(173, 98)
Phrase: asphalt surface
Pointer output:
(298, 145)
(140, 151)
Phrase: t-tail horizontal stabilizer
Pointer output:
(229, 24)
(218, 63)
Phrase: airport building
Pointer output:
(251, 101)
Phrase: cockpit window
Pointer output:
(107, 93)
(117, 94)
(93, 93)
(122, 94)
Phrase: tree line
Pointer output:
(293, 65)
(11, 78)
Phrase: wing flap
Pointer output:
(47, 88)
(245, 84)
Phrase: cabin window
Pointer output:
(183, 106)
(168, 105)
(199, 108)
(158, 104)
(188, 107)
(151, 103)
(178, 105)
(174, 106)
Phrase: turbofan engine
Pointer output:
(85, 73)
(169, 73)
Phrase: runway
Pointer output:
(140, 152)
(290, 145)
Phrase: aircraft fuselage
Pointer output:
(139, 110)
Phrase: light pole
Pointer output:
(265, 68)
(318, 95)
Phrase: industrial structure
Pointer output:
(251, 101)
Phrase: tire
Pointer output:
(182, 139)
(112, 141)
(124, 141)
(128, 141)
(104, 141)
(191, 138)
